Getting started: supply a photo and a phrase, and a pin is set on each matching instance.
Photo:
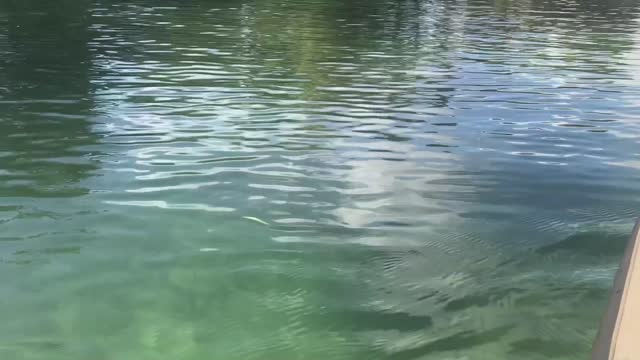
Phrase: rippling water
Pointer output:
(314, 179)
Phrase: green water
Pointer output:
(314, 179)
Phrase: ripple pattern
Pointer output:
(309, 179)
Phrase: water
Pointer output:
(314, 179)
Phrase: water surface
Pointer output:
(314, 179)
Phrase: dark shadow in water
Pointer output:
(45, 98)
(460, 341)
(595, 243)
(363, 320)
(549, 348)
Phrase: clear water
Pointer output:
(314, 179)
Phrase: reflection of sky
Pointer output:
(472, 121)
(633, 57)
(537, 126)
(629, 129)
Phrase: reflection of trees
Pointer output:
(576, 35)
(45, 74)
(298, 40)
(591, 11)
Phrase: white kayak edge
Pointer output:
(619, 335)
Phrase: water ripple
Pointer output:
(303, 179)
